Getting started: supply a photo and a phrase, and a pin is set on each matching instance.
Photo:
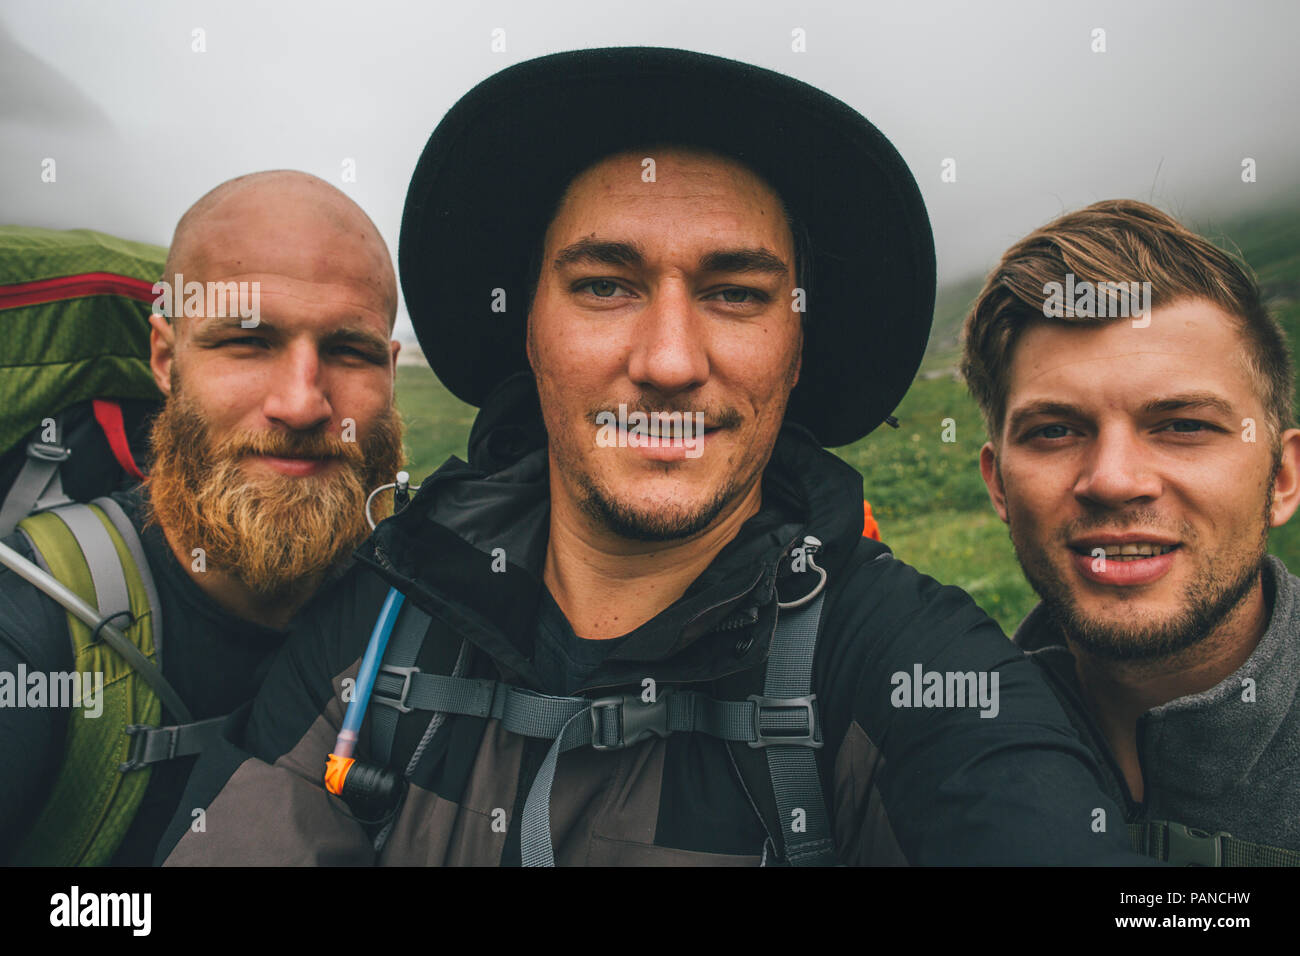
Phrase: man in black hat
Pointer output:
(642, 625)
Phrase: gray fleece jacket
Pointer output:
(1217, 760)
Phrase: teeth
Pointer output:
(1132, 552)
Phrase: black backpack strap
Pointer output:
(390, 739)
(784, 720)
(750, 764)
(151, 745)
(392, 684)
(792, 761)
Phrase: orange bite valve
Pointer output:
(336, 773)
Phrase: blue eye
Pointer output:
(1059, 429)
(601, 288)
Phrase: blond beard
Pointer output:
(275, 534)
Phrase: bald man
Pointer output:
(273, 432)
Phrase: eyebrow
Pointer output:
(600, 252)
(347, 335)
(352, 335)
(1020, 416)
(1190, 400)
(211, 328)
(744, 260)
(1172, 403)
(629, 254)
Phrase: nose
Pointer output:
(296, 398)
(1117, 470)
(669, 352)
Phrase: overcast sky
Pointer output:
(140, 124)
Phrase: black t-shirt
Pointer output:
(564, 660)
(215, 660)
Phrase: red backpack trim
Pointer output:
(72, 287)
(109, 415)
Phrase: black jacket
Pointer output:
(925, 785)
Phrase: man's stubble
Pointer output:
(1217, 589)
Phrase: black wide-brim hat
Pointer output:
(495, 168)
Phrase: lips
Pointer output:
(1125, 560)
(294, 467)
(669, 436)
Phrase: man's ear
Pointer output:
(162, 352)
(1286, 481)
(993, 479)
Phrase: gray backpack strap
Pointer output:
(112, 597)
(151, 745)
(106, 572)
(784, 720)
(791, 762)
(623, 720)
(1182, 845)
(113, 511)
(38, 485)
(603, 723)
(395, 675)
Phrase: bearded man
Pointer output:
(273, 432)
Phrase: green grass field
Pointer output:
(927, 493)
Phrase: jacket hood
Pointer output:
(508, 426)
(470, 548)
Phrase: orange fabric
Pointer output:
(336, 773)
(869, 527)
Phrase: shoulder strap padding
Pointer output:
(92, 804)
(113, 511)
(777, 791)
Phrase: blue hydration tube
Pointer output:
(347, 738)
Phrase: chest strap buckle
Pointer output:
(633, 720)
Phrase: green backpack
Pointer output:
(74, 322)
(74, 311)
